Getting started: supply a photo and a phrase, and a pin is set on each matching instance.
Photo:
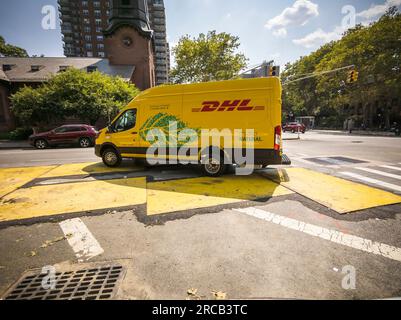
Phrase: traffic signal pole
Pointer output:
(317, 74)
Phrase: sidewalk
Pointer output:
(357, 133)
(8, 144)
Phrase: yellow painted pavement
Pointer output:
(17, 203)
(76, 169)
(13, 178)
(70, 198)
(186, 194)
(340, 195)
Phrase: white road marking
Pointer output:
(335, 236)
(373, 181)
(333, 161)
(81, 239)
(381, 173)
(307, 162)
(391, 168)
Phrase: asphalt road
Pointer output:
(288, 247)
(375, 149)
(30, 157)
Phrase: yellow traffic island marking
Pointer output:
(44, 201)
(340, 195)
(13, 178)
(188, 194)
(78, 169)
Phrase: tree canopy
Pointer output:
(8, 50)
(211, 56)
(73, 93)
(375, 50)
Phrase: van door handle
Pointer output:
(134, 133)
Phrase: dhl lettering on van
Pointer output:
(228, 105)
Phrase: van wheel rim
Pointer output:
(213, 166)
(111, 158)
(84, 143)
(40, 144)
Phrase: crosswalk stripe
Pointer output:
(381, 173)
(391, 168)
(335, 236)
(373, 181)
(81, 239)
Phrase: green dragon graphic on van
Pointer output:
(171, 126)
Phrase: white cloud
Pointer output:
(280, 33)
(378, 9)
(319, 37)
(298, 14)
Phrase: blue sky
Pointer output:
(281, 30)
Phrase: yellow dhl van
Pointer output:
(225, 106)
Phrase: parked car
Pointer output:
(77, 134)
(294, 127)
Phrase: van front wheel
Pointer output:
(111, 158)
(214, 167)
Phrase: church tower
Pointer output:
(128, 40)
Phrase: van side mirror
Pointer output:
(110, 129)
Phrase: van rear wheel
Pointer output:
(214, 167)
(111, 158)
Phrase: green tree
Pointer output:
(73, 93)
(8, 50)
(208, 57)
(375, 51)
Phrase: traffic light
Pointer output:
(353, 76)
(274, 71)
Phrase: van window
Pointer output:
(126, 121)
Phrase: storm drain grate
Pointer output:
(88, 284)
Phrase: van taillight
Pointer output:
(277, 138)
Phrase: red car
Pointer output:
(294, 127)
(77, 134)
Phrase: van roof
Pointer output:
(256, 83)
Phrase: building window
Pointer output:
(98, 30)
(96, 4)
(88, 38)
(63, 68)
(89, 54)
(88, 46)
(101, 54)
(84, 3)
(86, 21)
(85, 12)
(91, 69)
(98, 13)
(87, 29)
(99, 38)
(100, 46)
(98, 22)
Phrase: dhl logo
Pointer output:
(228, 105)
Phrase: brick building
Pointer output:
(83, 24)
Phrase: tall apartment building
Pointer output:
(157, 17)
(83, 23)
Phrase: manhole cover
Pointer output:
(87, 284)
(335, 161)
